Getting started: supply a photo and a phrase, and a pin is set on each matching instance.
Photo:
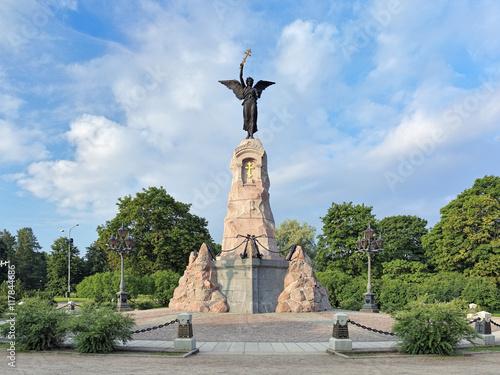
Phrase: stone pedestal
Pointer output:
(483, 328)
(340, 341)
(251, 285)
(369, 305)
(485, 339)
(121, 303)
(185, 339)
(248, 209)
(340, 345)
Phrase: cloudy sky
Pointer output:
(390, 103)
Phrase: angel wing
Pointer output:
(261, 86)
(235, 85)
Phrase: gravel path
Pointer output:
(53, 363)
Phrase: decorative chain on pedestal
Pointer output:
(234, 248)
(155, 327)
(248, 238)
(494, 323)
(371, 329)
(474, 321)
(275, 252)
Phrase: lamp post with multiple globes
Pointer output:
(122, 245)
(366, 245)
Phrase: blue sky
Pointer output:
(389, 103)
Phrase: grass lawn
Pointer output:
(483, 349)
(6, 346)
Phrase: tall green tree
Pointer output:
(58, 267)
(467, 237)
(290, 233)
(30, 262)
(7, 242)
(342, 226)
(96, 260)
(402, 236)
(164, 230)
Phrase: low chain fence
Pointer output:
(370, 329)
(478, 319)
(155, 327)
(474, 320)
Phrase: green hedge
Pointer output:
(102, 287)
(404, 282)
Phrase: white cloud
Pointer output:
(9, 105)
(306, 51)
(20, 145)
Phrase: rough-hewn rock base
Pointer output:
(303, 292)
(198, 289)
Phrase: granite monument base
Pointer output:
(251, 285)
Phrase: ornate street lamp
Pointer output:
(122, 245)
(366, 245)
(69, 241)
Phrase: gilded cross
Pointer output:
(249, 169)
(247, 53)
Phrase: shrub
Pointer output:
(396, 293)
(97, 329)
(144, 305)
(443, 286)
(39, 294)
(39, 326)
(102, 287)
(432, 328)
(483, 292)
(345, 292)
(165, 283)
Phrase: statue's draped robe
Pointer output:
(250, 110)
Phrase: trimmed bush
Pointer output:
(344, 291)
(97, 329)
(396, 293)
(483, 292)
(444, 286)
(39, 294)
(432, 328)
(102, 287)
(165, 283)
(39, 326)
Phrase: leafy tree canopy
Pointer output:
(31, 264)
(402, 236)
(7, 242)
(57, 267)
(290, 233)
(342, 226)
(96, 260)
(467, 237)
(164, 230)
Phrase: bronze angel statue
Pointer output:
(249, 94)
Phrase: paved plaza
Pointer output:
(271, 334)
(256, 344)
